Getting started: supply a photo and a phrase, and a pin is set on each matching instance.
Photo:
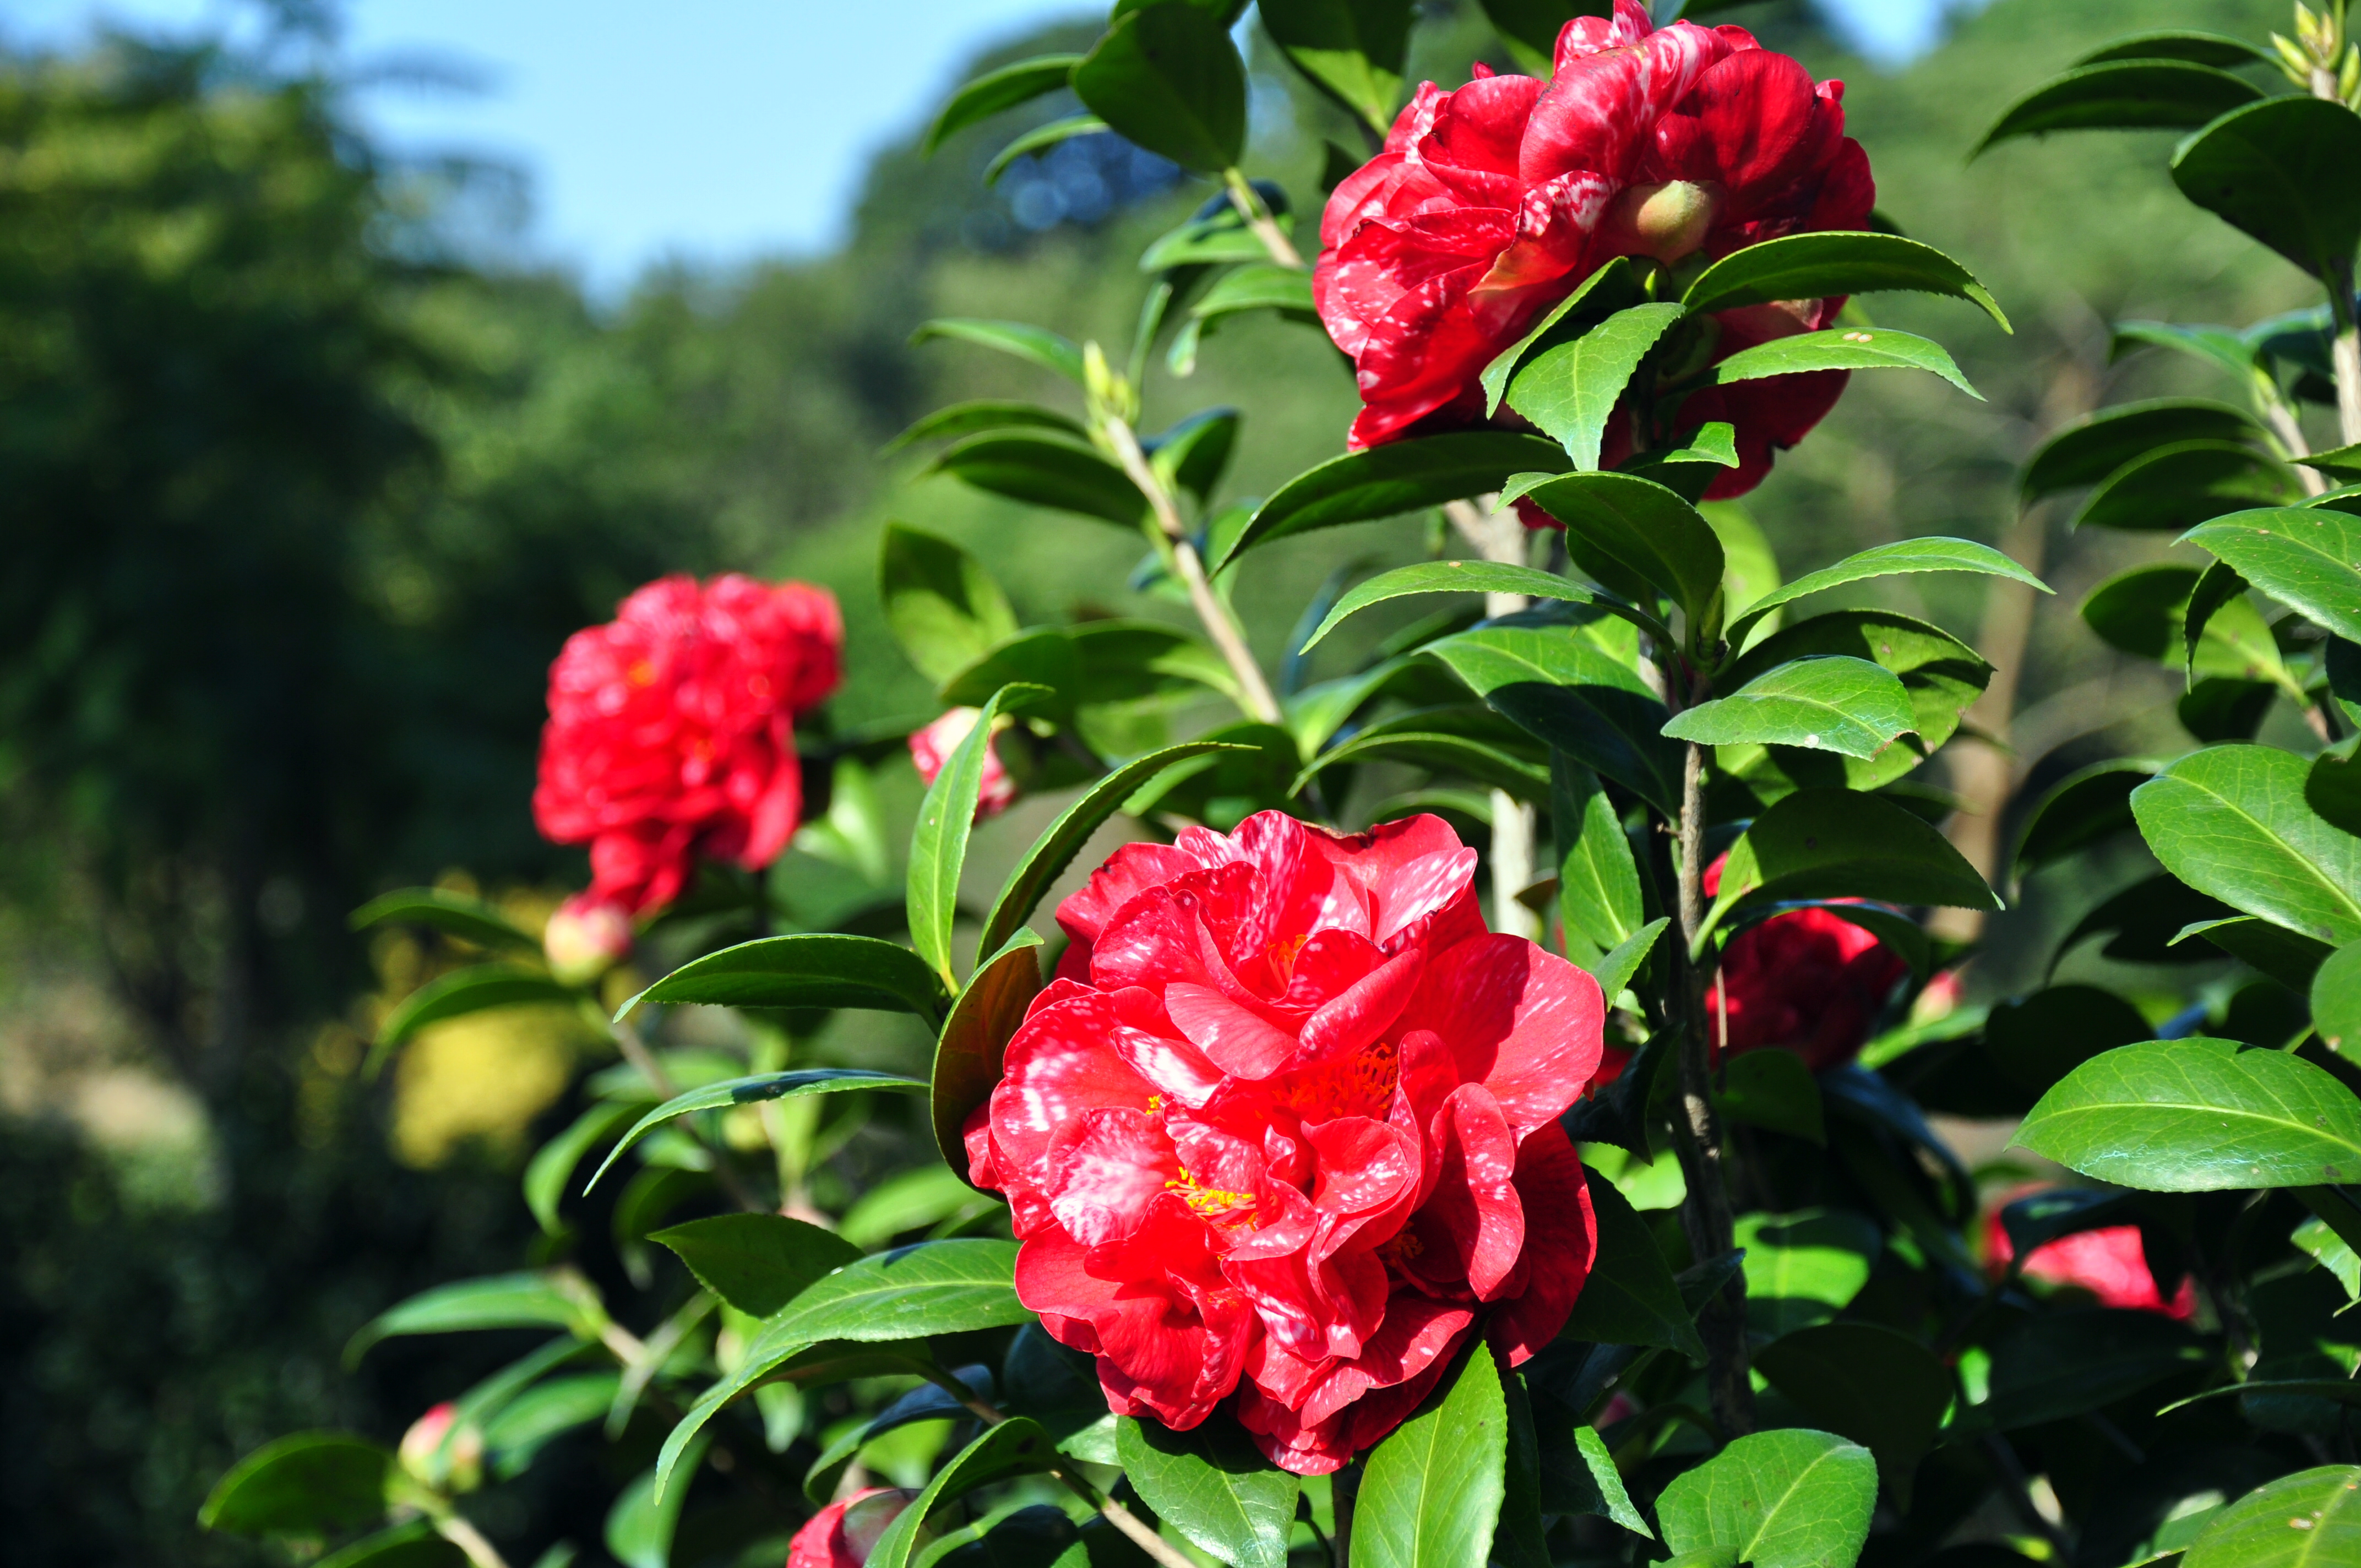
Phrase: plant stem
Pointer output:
(1344, 1493)
(1696, 1134)
(2345, 354)
(454, 1527)
(1255, 694)
(1259, 219)
(644, 1060)
(1516, 829)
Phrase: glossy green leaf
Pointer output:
(1212, 1485)
(968, 1055)
(544, 1300)
(2182, 484)
(1630, 1298)
(1827, 703)
(2333, 788)
(1039, 345)
(980, 415)
(1064, 839)
(1645, 528)
(1749, 566)
(469, 919)
(1623, 961)
(2088, 806)
(1047, 471)
(1530, 27)
(820, 969)
(938, 839)
(2032, 1042)
(940, 603)
(1016, 1447)
(757, 1263)
(1834, 843)
(1431, 1491)
(1256, 286)
(2143, 611)
(2206, 49)
(412, 1545)
(751, 1090)
(2281, 170)
(1818, 266)
(1351, 49)
(1866, 1383)
(1841, 348)
(2306, 557)
(2336, 1000)
(930, 1198)
(2232, 821)
(997, 91)
(2308, 1519)
(308, 1483)
(2199, 1115)
(2219, 347)
(1597, 880)
(1569, 389)
(2343, 462)
(2096, 446)
(1166, 77)
(465, 990)
(924, 1403)
(1563, 689)
(1612, 287)
(1040, 140)
(1771, 1090)
(1605, 1495)
(2063, 1364)
(1804, 1268)
(642, 1520)
(2124, 95)
(1194, 454)
(2289, 957)
(552, 1168)
(1775, 1499)
(1478, 578)
(1439, 751)
(1388, 481)
(1929, 555)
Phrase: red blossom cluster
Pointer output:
(1285, 1125)
(670, 731)
(1489, 204)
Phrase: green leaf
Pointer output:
(2032, 1042)
(1016, 1447)
(2125, 95)
(412, 1545)
(2318, 1239)
(2336, 1000)
(1047, 471)
(546, 1300)
(2308, 1519)
(1570, 388)
(1430, 1492)
(1258, 286)
(2182, 484)
(2199, 1115)
(2144, 612)
(1613, 287)
(968, 1057)
(925, 1402)
(940, 604)
(1212, 1485)
(757, 1263)
(934, 1288)
(938, 839)
(2230, 821)
(642, 1519)
(997, 91)
(308, 1483)
(1563, 688)
(751, 1090)
(1194, 454)
(2092, 448)
(1040, 140)
(1388, 481)
(2289, 957)
(465, 990)
(1819, 266)
(2086, 807)
(1749, 566)
(1775, 1499)
(553, 1163)
(2308, 558)
(929, 1197)
(1351, 49)
(1608, 1496)
(469, 919)
(1775, 1090)
(820, 969)
(1804, 1268)
(1930, 554)
(1530, 27)
(2218, 345)
(1866, 1382)
(2063, 1364)
(1093, 662)
(1064, 839)
(2206, 49)
(1835, 843)
(1597, 880)
(2333, 788)
(1037, 343)
(1615, 970)
(1478, 577)
(1438, 751)
(1166, 78)
(1645, 528)
(1841, 348)
(2281, 170)
(1630, 1298)
(2343, 462)
(1825, 703)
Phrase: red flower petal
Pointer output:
(1525, 1024)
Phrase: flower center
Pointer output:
(1667, 221)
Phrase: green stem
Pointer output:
(1266, 228)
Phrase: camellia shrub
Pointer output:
(1483, 1117)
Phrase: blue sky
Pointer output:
(706, 129)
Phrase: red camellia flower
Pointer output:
(2111, 1263)
(1286, 1124)
(669, 730)
(931, 747)
(841, 1535)
(1489, 204)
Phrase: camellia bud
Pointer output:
(1668, 221)
(931, 747)
(460, 1468)
(843, 1535)
(586, 939)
